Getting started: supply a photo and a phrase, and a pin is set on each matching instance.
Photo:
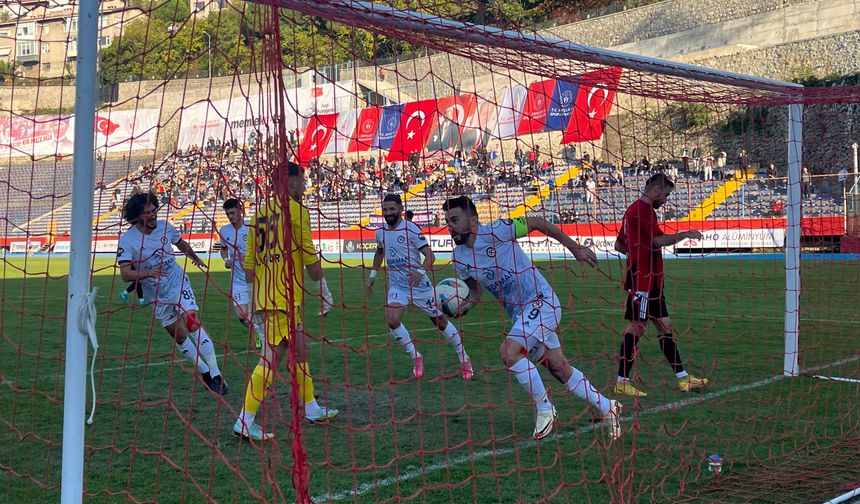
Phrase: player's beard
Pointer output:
(391, 220)
(461, 238)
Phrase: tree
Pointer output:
(172, 42)
(7, 71)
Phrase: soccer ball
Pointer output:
(453, 296)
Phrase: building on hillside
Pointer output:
(42, 42)
(204, 7)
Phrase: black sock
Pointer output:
(627, 354)
(139, 287)
(670, 350)
(131, 287)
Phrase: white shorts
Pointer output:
(168, 312)
(422, 297)
(239, 296)
(535, 328)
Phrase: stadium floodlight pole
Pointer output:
(208, 52)
(855, 146)
(792, 240)
(80, 259)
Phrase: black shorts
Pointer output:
(655, 306)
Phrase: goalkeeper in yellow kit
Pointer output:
(268, 277)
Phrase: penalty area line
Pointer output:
(368, 487)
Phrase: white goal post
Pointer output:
(86, 85)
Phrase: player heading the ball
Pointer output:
(401, 244)
(488, 255)
(146, 255)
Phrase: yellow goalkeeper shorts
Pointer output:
(276, 324)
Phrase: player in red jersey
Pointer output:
(642, 240)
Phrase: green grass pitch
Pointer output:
(159, 436)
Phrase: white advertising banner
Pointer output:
(22, 246)
(105, 246)
(197, 245)
(736, 239)
(237, 117)
(63, 247)
(230, 119)
(510, 111)
(328, 247)
(119, 131)
(108, 246)
(441, 243)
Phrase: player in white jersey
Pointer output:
(234, 245)
(489, 256)
(401, 244)
(145, 254)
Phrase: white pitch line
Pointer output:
(221, 356)
(241, 352)
(419, 330)
(365, 488)
(837, 378)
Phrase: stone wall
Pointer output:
(663, 18)
(835, 54)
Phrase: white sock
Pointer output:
(622, 379)
(582, 388)
(247, 418)
(681, 375)
(207, 350)
(258, 325)
(527, 374)
(452, 336)
(326, 293)
(401, 335)
(188, 349)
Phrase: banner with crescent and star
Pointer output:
(415, 126)
(593, 103)
(317, 135)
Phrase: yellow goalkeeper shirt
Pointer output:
(266, 257)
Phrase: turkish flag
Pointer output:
(453, 114)
(317, 134)
(536, 107)
(416, 122)
(365, 130)
(593, 103)
(105, 126)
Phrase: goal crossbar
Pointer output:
(385, 19)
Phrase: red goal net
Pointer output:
(357, 112)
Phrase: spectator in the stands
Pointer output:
(590, 190)
(777, 208)
(709, 166)
(806, 183)
(743, 162)
(721, 165)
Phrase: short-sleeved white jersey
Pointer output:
(402, 245)
(498, 263)
(235, 241)
(146, 251)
